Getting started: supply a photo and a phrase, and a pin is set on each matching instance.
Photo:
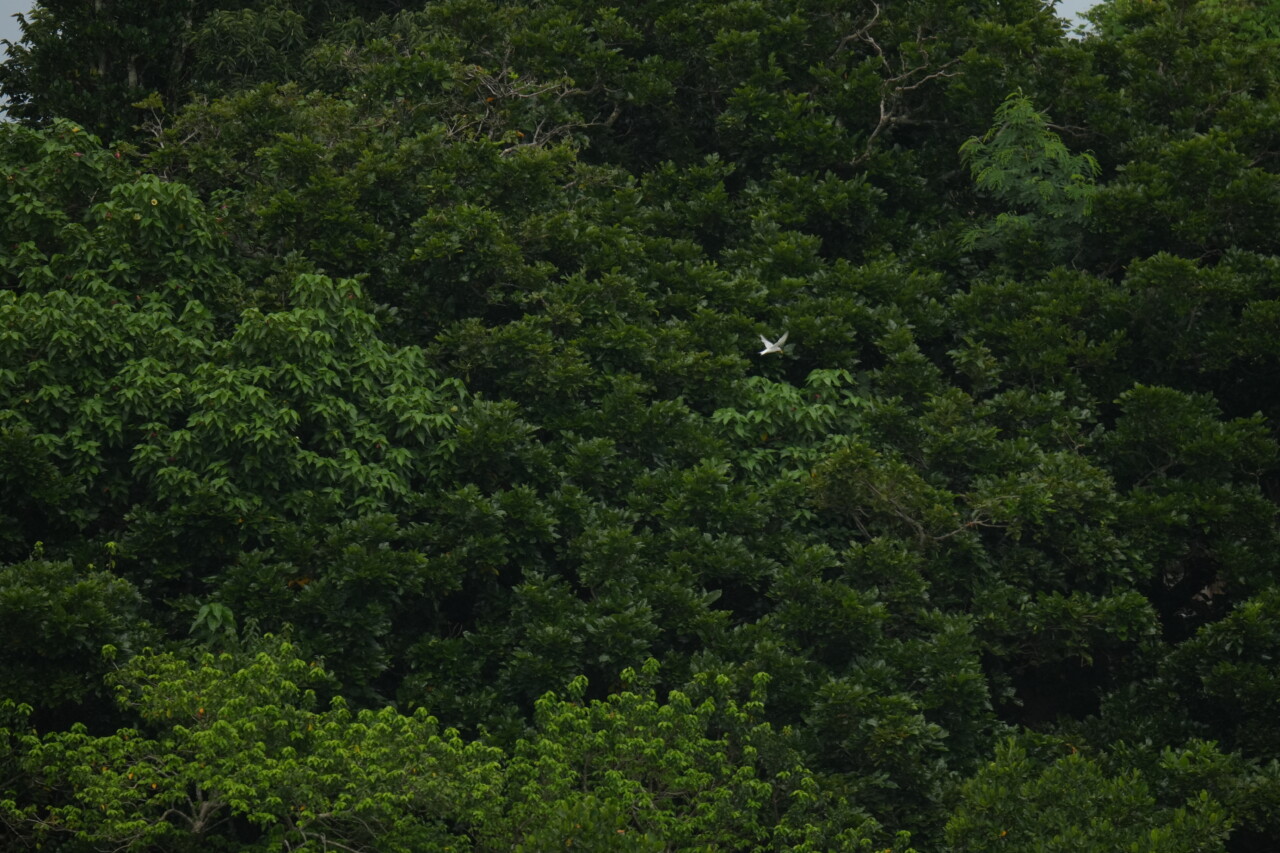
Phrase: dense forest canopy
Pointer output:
(388, 461)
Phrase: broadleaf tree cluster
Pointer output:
(387, 462)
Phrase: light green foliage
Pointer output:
(241, 738)
(1048, 190)
(699, 771)
(1254, 19)
(223, 738)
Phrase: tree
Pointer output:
(1071, 803)
(429, 339)
(232, 752)
(1025, 165)
(88, 63)
(55, 620)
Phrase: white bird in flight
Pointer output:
(773, 346)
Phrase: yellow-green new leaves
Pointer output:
(686, 782)
(702, 770)
(236, 747)
(227, 738)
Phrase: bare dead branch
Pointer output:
(899, 81)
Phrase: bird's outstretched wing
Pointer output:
(772, 346)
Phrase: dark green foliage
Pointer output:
(89, 62)
(1072, 803)
(427, 336)
(54, 621)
